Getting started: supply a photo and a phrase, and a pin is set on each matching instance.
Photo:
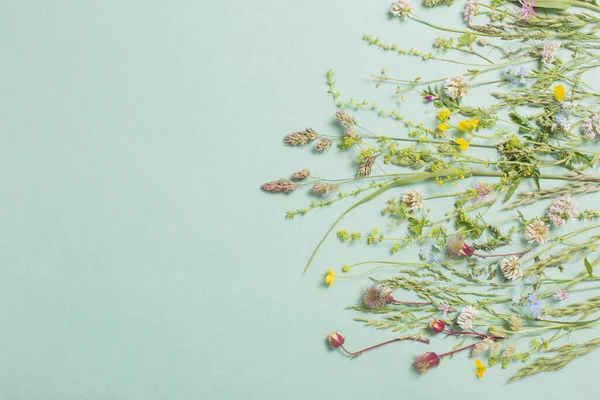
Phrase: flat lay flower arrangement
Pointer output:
(493, 273)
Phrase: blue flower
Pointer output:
(517, 75)
(423, 254)
(434, 258)
(533, 278)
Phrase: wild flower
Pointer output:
(562, 295)
(478, 191)
(401, 9)
(561, 123)
(510, 268)
(517, 75)
(437, 325)
(466, 318)
(330, 277)
(443, 115)
(526, 10)
(468, 125)
(463, 144)
(444, 308)
(336, 340)
(516, 299)
(562, 210)
(591, 126)
(479, 368)
(434, 258)
(456, 86)
(443, 127)
(414, 200)
(537, 231)
(548, 53)
(470, 10)
(534, 305)
(559, 92)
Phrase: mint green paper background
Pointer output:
(139, 259)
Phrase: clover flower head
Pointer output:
(401, 9)
(537, 231)
(456, 86)
(511, 268)
(470, 10)
(549, 51)
(414, 200)
(562, 210)
(467, 317)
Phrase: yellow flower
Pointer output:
(462, 143)
(330, 277)
(444, 114)
(479, 368)
(468, 124)
(559, 92)
(443, 127)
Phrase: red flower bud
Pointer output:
(467, 250)
(437, 326)
(336, 340)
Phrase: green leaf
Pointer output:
(556, 4)
(512, 190)
(588, 266)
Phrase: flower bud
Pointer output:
(336, 340)
(467, 250)
(437, 325)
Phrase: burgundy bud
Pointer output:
(425, 361)
(336, 340)
(467, 250)
(437, 325)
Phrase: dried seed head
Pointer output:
(322, 145)
(365, 167)
(515, 323)
(301, 138)
(374, 296)
(425, 361)
(302, 174)
(280, 186)
(345, 118)
(481, 346)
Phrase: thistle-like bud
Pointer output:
(302, 174)
(467, 250)
(280, 186)
(322, 145)
(425, 361)
(437, 325)
(301, 138)
(336, 340)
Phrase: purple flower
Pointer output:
(526, 10)
(562, 210)
(562, 295)
(480, 189)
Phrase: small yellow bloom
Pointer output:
(479, 368)
(559, 92)
(462, 143)
(468, 124)
(443, 115)
(443, 127)
(330, 277)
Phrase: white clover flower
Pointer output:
(549, 52)
(511, 268)
(467, 317)
(537, 231)
(414, 200)
(456, 86)
(401, 8)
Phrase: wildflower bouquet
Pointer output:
(500, 285)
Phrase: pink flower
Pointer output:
(562, 295)
(526, 10)
(444, 308)
(481, 189)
